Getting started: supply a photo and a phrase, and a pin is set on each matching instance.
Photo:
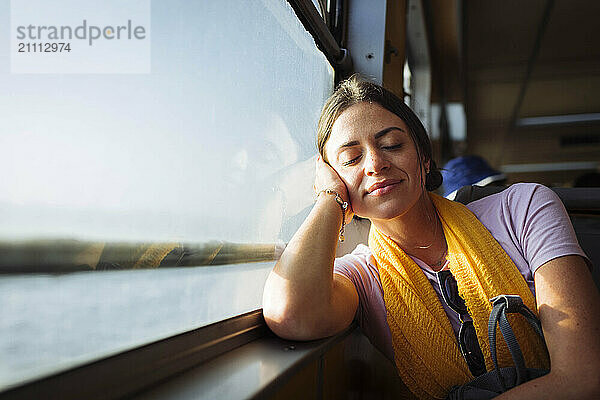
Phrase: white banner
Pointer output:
(80, 36)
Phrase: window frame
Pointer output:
(113, 377)
(309, 16)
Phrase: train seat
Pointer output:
(582, 204)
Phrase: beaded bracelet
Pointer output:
(343, 204)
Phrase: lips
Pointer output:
(383, 187)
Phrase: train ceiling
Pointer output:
(511, 62)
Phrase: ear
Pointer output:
(427, 165)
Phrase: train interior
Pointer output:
(148, 192)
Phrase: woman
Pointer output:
(376, 157)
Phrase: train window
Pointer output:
(203, 156)
(321, 7)
(407, 84)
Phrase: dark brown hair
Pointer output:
(357, 90)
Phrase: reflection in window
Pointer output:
(213, 148)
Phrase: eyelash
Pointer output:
(348, 163)
(394, 147)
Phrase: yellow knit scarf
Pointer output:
(425, 348)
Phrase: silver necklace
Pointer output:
(434, 233)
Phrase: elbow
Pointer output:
(291, 324)
(292, 320)
(283, 326)
(291, 316)
(277, 319)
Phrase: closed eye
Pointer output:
(396, 146)
(350, 162)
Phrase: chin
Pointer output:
(385, 213)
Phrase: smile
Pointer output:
(384, 187)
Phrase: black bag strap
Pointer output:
(510, 304)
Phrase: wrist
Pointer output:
(341, 203)
(341, 192)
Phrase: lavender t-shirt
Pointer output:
(528, 220)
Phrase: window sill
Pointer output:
(259, 369)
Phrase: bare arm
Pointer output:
(569, 309)
(303, 298)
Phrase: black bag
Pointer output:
(499, 380)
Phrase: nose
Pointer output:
(375, 163)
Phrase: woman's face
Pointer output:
(373, 153)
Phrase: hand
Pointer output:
(327, 178)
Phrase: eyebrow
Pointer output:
(379, 134)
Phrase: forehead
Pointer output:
(361, 121)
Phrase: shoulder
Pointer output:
(531, 217)
(360, 268)
(515, 196)
(359, 260)
(530, 194)
(518, 203)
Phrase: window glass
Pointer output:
(321, 6)
(213, 142)
(407, 84)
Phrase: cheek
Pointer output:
(350, 178)
(353, 184)
(352, 181)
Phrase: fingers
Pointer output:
(326, 177)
